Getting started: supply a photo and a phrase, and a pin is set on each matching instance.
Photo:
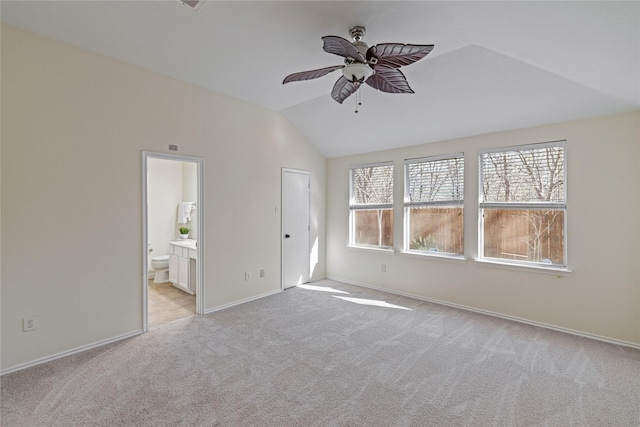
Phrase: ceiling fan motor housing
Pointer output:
(362, 47)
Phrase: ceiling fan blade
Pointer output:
(311, 74)
(395, 55)
(389, 80)
(343, 88)
(343, 47)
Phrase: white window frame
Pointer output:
(442, 203)
(522, 205)
(355, 207)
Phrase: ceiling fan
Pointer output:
(378, 66)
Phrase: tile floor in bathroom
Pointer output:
(167, 303)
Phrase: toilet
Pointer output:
(161, 265)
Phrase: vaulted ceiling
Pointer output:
(495, 66)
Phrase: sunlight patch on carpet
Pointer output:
(322, 289)
(373, 302)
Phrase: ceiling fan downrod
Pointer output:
(357, 33)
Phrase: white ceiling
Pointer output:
(495, 66)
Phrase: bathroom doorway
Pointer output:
(172, 200)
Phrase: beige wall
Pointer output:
(74, 125)
(600, 297)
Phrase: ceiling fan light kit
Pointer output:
(377, 66)
(357, 72)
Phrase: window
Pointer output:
(523, 204)
(371, 205)
(433, 204)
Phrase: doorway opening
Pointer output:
(173, 237)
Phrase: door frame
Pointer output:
(300, 172)
(199, 161)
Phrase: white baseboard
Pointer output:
(119, 337)
(492, 313)
(222, 307)
(337, 279)
(70, 352)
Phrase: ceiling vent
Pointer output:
(193, 4)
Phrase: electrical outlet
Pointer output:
(29, 324)
(262, 272)
(383, 268)
(247, 275)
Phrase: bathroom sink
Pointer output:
(185, 243)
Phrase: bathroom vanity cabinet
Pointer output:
(182, 264)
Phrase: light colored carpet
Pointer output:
(326, 356)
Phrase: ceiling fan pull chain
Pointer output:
(358, 100)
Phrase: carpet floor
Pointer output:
(331, 354)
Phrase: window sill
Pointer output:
(556, 271)
(387, 251)
(437, 255)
